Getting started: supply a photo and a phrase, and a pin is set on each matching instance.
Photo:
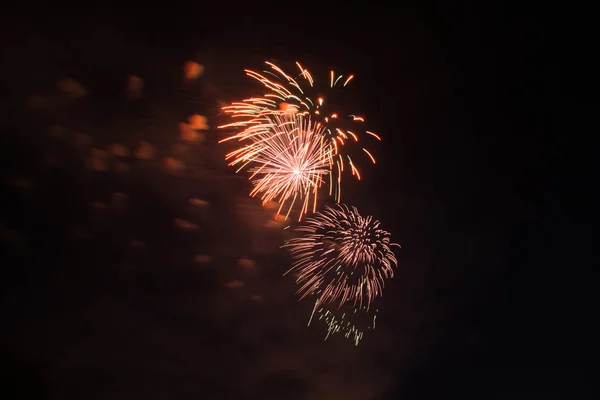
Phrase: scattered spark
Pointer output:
(345, 320)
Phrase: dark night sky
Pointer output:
(475, 180)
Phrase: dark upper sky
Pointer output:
(471, 180)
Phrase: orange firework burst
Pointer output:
(291, 94)
(287, 157)
(342, 257)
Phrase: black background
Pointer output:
(476, 174)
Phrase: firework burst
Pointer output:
(299, 94)
(342, 257)
(288, 158)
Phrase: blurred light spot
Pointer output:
(271, 205)
(256, 298)
(118, 200)
(136, 243)
(234, 284)
(135, 85)
(11, 237)
(145, 151)
(184, 225)
(246, 263)
(118, 150)
(121, 167)
(35, 101)
(188, 134)
(192, 70)
(52, 160)
(98, 205)
(19, 182)
(179, 150)
(196, 202)
(198, 122)
(174, 165)
(71, 87)
(202, 259)
(57, 131)
(81, 233)
(272, 224)
(279, 217)
(285, 106)
(82, 140)
(98, 160)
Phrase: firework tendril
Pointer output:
(351, 322)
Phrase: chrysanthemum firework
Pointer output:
(288, 159)
(342, 256)
(300, 95)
